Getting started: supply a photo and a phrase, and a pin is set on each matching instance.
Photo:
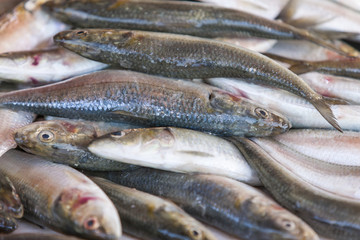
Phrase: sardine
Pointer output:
(10, 121)
(26, 27)
(349, 67)
(334, 86)
(177, 150)
(149, 217)
(178, 17)
(230, 205)
(300, 112)
(180, 56)
(66, 142)
(138, 98)
(329, 214)
(325, 145)
(335, 178)
(44, 65)
(10, 203)
(60, 197)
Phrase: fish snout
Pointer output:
(20, 139)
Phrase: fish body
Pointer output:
(300, 112)
(325, 145)
(177, 17)
(44, 65)
(331, 215)
(10, 121)
(10, 203)
(232, 206)
(180, 56)
(149, 217)
(66, 142)
(60, 197)
(27, 27)
(148, 100)
(175, 149)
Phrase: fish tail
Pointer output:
(324, 109)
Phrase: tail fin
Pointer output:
(324, 109)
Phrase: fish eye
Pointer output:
(289, 225)
(91, 223)
(46, 136)
(118, 134)
(262, 113)
(195, 233)
(81, 33)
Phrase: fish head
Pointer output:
(257, 120)
(10, 203)
(180, 224)
(278, 222)
(142, 141)
(87, 215)
(47, 137)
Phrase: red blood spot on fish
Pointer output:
(36, 60)
(81, 201)
(34, 81)
(328, 79)
(70, 127)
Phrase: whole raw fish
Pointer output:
(181, 56)
(177, 150)
(61, 198)
(66, 141)
(44, 65)
(300, 112)
(27, 27)
(138, 98)
(187, 18)
(232, 206)
(325, 145)
(331, 215)
(10, 121)
(149, 217)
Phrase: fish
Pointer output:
(334, 86)
(349, 67)
(187, 18)
(60, 197)
(325, 145)
(227, 204)
(149, 217)
(10, 203)
(178, 56)
(331, 215)
(10, 121)
(136, 98)
(27, 27)
(300, 112)
(337, 179)
(177, 150)
(43, 66)
(7, 224)
(254, 44)
(66, 141)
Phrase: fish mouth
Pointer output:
(20, 139)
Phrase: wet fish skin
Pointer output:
(227, 204)
(65, 142)
(69, 202)
(7, 224)
(149, 217)
(10, 203)
(330, 215)
(41, 66)
(148, 100)
(10, 121)
(181, 56)
(176, 150)
(178, 17)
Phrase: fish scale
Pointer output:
(148, 100)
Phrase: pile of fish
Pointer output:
(180, 119)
